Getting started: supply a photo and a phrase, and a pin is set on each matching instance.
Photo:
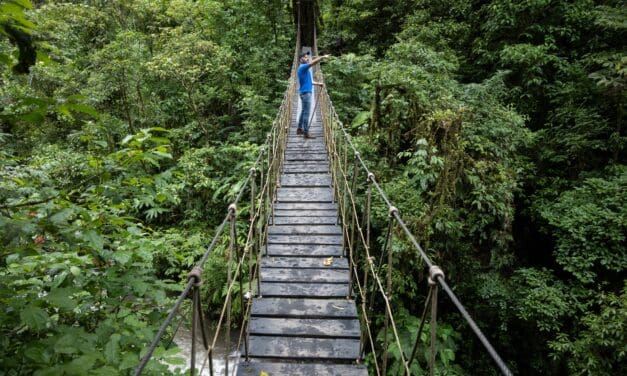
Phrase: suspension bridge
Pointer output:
(306, 276)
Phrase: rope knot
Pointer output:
(196, 276)
(435, 272)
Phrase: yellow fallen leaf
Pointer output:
(328, 261)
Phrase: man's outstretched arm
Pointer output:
(317, 60)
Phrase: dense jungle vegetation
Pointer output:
(496, 127)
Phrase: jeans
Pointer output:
(303, 120)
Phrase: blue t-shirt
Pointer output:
(304, 78)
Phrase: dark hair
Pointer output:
(303, 55)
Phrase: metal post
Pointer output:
(434, 273)
(195, 275)
(232, 250)
(192, 367)
(352, 246)
(211, 361)
(422, 324)
(388, 291)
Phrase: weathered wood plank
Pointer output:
(336, 328)
(304, 348)
(305, 162)
(305, 239)
(310, 180)
(305, 230)
(309, 250)
(304, 195)
(296, 143)
(294, 275)
(305, 206)
(302, 156)
(294, 219)
(255, 368)
(303, 308)
(304, 262)
(299, 169)
(304, 290)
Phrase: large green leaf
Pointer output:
(34, 317)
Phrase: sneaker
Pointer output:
(299, 131)
(308, 136)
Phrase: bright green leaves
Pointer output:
(589, 224)
(598, 348)
(407, 326)
(542, 299)
(34, 317)
(112, 348)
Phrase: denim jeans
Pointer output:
(303, 120)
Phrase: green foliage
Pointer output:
(118, 155)
(407, 326)
(598, 348)
(589, 224)
(496, 128)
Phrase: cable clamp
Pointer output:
(196, 276)
(435, 272)
(232, 211)
(370, 177)
(253, 171)
(393, 210)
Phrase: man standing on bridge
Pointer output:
(306, 87)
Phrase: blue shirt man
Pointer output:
(305, 89)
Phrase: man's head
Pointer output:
(304, 58)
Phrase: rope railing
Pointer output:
(268, 164)
(369, 277)
(366, 274)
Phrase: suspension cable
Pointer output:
(439, 278)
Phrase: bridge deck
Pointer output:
(303, 323)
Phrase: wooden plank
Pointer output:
(331, 212)
(304, 290)
(316, 133)
(305, 230)
(296, 143)
(309, 250)
(299, 169)
(305, 162)
(306, 206)
(304, 262)
(294, 275)
(336, 328)
(255, 368)
(303, 156)
(300, 219)
(304, 348)
(309, 180)
(302, 145)
(305, 239)
(303, 308)
(304, 195)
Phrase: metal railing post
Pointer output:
(434, 273)
(232, 250)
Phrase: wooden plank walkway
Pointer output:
(303, 323)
